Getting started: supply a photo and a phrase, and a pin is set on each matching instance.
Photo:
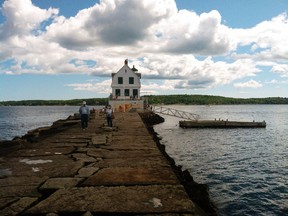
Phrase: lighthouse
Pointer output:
(126, 88)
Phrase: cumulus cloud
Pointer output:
(118, 22)
(23, 18)
(100, 87)
(281, 69)
(192, 72)
(184, 49)
(249, 84)
(186, 32)
(267, 39)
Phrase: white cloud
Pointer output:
(186, 32)
(267, 39)
(195, 74)
(249, 84)
(179, 47)
(126, 22)
(281, 69)
(273, 81)
(23, 18)
(99, 87)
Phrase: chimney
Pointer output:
(126, 62)
(134, 69)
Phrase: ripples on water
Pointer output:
(246, 169)
(17, 120)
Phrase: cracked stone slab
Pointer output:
(18, 207)
(82, 150)
(19, 191)
(133, 143)
(22, 181)
(60, 183)
(87, 171)
(99, 140)
(131, 162)
(52, 166)
(128, 153)
(140, 199)
(132, 176)
(6, 201)
(83, 158)
(44, 151)
(67, 140)
(64, 144)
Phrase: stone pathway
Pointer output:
(97, 171)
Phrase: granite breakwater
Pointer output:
(124, 170)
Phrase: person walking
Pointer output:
(84, 113)
(109, 115)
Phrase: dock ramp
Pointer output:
(176, 113)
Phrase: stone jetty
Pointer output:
(64, 170)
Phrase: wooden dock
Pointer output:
(64, 170)
(221, 124)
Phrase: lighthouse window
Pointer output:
(135, 93)
(131, 80)
(127, 92)
(120, 80)
(117, 92)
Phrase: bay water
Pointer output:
(18, 120)
(246, 169)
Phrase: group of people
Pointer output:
(84, 113)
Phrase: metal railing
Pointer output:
(174, 112)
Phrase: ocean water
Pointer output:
(18, 120)
(246, 169)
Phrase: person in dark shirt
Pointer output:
(109, 115)
(84, 113)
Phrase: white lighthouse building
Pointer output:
(126, 87)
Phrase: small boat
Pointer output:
(221, 124)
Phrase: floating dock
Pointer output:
(64, 170)
(221, 124)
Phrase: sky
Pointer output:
(67, 49)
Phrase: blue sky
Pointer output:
(66, 49)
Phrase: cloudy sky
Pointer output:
(65, 49)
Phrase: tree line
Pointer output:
(73, 102)
(155, 99)
(211, 100)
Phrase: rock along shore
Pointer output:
(124, 170)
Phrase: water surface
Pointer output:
(246, 169)
(17, 120)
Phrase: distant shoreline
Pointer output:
(182, 99)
